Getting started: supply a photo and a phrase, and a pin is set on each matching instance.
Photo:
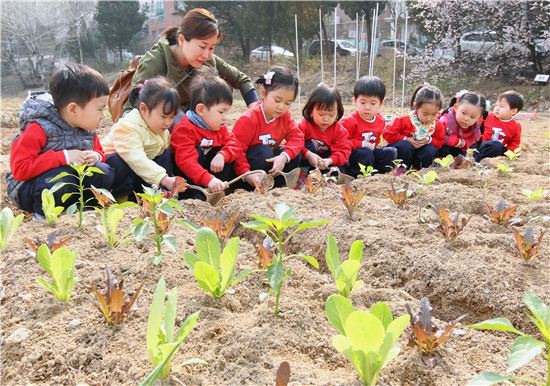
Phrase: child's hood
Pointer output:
(38, 106)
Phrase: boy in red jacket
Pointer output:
(501, 131)
(418, 135)
(204, 150)
(365, 127)
(58, 129)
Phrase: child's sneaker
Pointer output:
(38, 217)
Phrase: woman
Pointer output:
(184, 49)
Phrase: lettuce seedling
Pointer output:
(162, 339)
(449, 227)
(526, 244)
(399, 168)
(158, 212)
(8, 226)
(445, 162)
(345, 273)
(51, 242)
(223, 225)
(280, 230)
(425, 334)
(351, 198)
(534, 195)
(367, 171)
(502, 214)
(214, 269)
(283, 374)
(368, 339)
(504, 169)
(426, 180)
(512, 155)
(51, 212)
(60, 266)
(525, 348)
(114, 303)
(82, 171)
(399, 196)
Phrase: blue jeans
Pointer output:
(419, 158)
(30, 193)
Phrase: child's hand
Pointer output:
(216, 185)
(324, 163)
(279, 163)
(91, 157)
(313, 159)
(76, 157)
(217, 163)
(253, 179)
(168, 182)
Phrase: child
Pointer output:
(462, 123)
(269, 137)
(418, 135)
(58, 129)
(137, 145)
(326, 140)
(501, 131)
(203, 148)
(365, 127)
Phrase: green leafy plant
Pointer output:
(534, 195)
(425, 335)
(214, 269)
(51, 212)
(162, 339)
(449, 227)
(8, 226)
(512, 155)
(280, 230)
(367, 171)
(504, 169)
(158, 211)
(445, 162)
(525, 348)
(111, 213)
(426, 180)
(526, 244)
(368, 339)
(82, 171)
(60, 266)
(345, 273)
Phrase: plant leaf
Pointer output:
(488, 378)
(311, 260)
(207, 277)
(382, 312)
(497, 324)
(337, 309)
(524, 350)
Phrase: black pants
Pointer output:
(445, 150)
(257, 156)
(419, 158)
(379, 158)
(489, 149)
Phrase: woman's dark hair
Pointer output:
(198, 23)
(371, 86)
(77, 83)
(154, 92)
(209, 89)
(426, 94)
(471, 98)
(324, 98)
(513, 98)
(279, 77)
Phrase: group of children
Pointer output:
(145, 148)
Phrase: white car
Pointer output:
(262, 53)
(485, 43)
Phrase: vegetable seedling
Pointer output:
(351, 198)
(399, 196)
(59, 265)
(504, 169)
(8, 226)
(445, 162)
(502, 214)
(51, 242)
(345, 273)
(526, 244)
(223, 225)
(535, 195)
(367, 171)
(426, 180)
(111, 213)
(51, 212)
(449, 227)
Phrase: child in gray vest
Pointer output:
(59, 129)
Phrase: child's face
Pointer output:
(427, 113)
(367, 106)
(87, 117)
(467, 114)
(215, 116)
(503, 111)
(155, 118)
(324, 118)
(277, 102)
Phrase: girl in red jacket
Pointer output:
(203, 148)
(326, 140)
(269, 137)
(418, 135)
(462, 123)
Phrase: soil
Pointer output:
(480, 275)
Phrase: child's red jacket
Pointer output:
(402, 128)
(360, 130)
(334, 138)
(506, 132)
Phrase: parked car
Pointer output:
(386, 47)
(262, 53)
(343, 47)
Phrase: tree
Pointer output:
(118, 22)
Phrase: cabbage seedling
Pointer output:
(504, 169)
(526, 244)
(51, 212)
(525, 348)
(280, 230)
(60, 266)
(114, 303)
(162, 339)
(8, 226)
(111, 214)
(425, 334)
(502, 214)
(445, 162)
(351, 198)
(534, 195)
(345, 273)
(449, 227)
(214, 269)
(368, 339)
(367, 171)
